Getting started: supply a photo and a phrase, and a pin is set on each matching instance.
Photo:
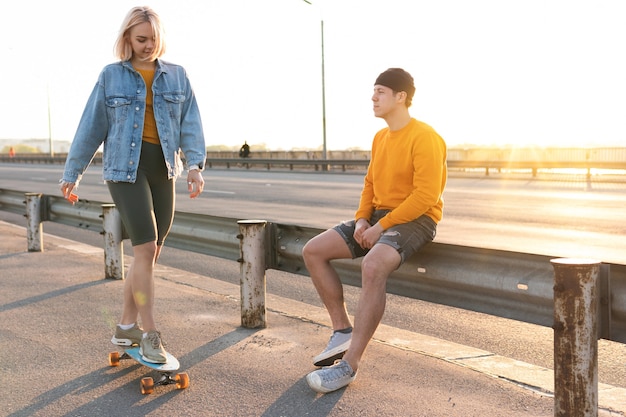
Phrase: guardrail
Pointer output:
(513, 285)
(317, 164)
(359, 164)
(39, 158)
(345, 164)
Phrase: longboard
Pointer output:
(165, 369)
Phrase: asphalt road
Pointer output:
(561, 217)
(556, 217)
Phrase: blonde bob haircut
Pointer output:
(135, 16)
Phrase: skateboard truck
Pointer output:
(148, 383)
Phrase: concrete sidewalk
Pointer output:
(56, 319)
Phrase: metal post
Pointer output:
(34, 230)
(575, 337)
(113, 247)
(49, 123)
(252, 286)
(325, 167)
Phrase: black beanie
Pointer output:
(398, 80)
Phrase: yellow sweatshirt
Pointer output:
(407, 175)
(150, 133)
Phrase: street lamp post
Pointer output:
(49, 123)
(324, 152)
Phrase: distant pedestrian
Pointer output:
(11, 152)
(144, 111)
(400, 206)
(244, 151)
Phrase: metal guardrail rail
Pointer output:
(351, 164)
(345, 164)
(512, 285)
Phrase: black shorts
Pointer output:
(147, 205)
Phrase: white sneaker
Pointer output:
(331, 378)
(337, 346)
(151, 348)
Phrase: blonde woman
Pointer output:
(144, 113)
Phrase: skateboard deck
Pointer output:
(164, 369)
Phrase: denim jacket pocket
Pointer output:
(174, 104)
(117, 108)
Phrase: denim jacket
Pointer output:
(114, 115)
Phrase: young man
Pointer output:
(401, 204)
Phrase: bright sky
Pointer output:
(487, 72)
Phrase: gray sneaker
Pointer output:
(331, 378)
(337, 346)
(128, 337)
(151, 348)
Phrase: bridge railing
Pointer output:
(507, 284)
(351, 164)
(346, 164)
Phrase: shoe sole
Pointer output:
(330, 360)
(151, 360)
(324, 359)
(123, 342)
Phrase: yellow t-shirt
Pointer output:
(407, 175)
(150, 132)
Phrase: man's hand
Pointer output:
(366, 235)
(371, 236)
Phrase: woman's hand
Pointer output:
(66, 190)
(195, 183)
